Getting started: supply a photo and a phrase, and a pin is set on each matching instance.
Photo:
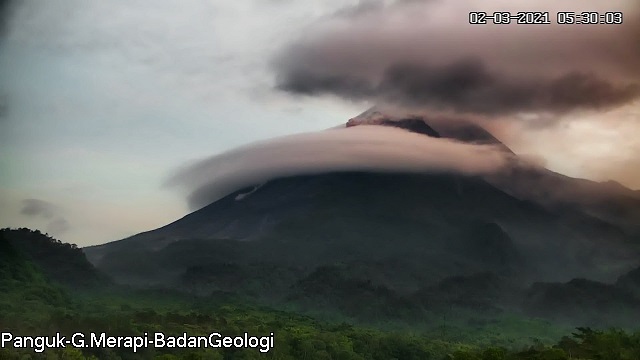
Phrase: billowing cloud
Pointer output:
(58, 226)
(4, 107)
(362, 148)
(6, 7)
(426, 54)
(467, 86)
(36, 208)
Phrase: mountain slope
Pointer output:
(606, 204)
(429, 226)
(423, 240)
(606, 210)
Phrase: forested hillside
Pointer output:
(61, 262)
(29, 304)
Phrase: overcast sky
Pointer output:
(101, 101)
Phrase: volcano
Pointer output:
(406, 233)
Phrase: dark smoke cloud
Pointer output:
(4, 107)
(43, 209)
(36, 207)
(6, 11)
(58, 226)
(384, 55)
(467, 86)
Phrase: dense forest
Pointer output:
(47, 286)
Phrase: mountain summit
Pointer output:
(609, 202)
(407, 233)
